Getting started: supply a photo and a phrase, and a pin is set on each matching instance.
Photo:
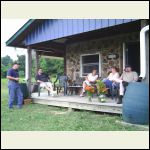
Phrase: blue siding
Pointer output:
(52, 29)
(105, 23)
(70, 28)
(75, 26)
(65, 25)
(86, 25)
(92, 24)
(112, 22)
(60, 28)
(80, 25)
(119, 21)
(98, 23)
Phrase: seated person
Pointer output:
(127, 76)
(89, 80)
(42, 79)
(109, 81)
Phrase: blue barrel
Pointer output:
(24, 89)
(136, 103)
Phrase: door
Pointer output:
(132, 55)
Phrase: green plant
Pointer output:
(101, 87)
(90, 90)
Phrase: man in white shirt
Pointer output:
(90, 79)
(127, 76)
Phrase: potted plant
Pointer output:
(90, 90)
(101, 90)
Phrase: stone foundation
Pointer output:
(104, 46)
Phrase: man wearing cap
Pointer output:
(13, 86)
(127, 76)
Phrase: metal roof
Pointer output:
(42, 30)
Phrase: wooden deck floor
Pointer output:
(77, 102)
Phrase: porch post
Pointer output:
(28, 68)
(65, 70)
(36, 61)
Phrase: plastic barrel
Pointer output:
(24, 89)
(136, 103)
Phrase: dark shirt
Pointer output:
(13, 73)
(42, 77)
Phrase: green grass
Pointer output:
(36, 117)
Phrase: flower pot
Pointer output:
(89, 98)
(101, 98)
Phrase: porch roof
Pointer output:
(50, 36)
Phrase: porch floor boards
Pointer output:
(77, 102)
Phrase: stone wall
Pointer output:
(104, 46)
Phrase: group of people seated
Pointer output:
(113, 79)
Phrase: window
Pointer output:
(88, 62)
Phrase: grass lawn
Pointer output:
(36, 117)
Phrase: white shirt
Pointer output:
(92, 78)
(112, 76)
(129, 76)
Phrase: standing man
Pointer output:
(13, 86)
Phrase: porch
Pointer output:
(77, 102)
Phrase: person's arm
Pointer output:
(87, 77)
(121, 77)
(109, 76)
(37, 79)
(94, 81)
(12, 78)
(115, 77)
(135, 76)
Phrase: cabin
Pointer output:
(84, 44)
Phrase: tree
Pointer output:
(21, 60)
(6, 63)
(51, 65)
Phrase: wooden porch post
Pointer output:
(36, 61)
(28, 68)
(65, 69)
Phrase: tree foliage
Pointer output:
(6, 63)
(51, 65)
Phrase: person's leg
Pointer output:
(115, 89)
(108, 84)
(121, 91)
(12, 90)
(43, 85)
(125, 84)
(85, 83)
(20, 97)
(49, 86)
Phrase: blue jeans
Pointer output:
(108, 83)
(112, 86)
(14, 88)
